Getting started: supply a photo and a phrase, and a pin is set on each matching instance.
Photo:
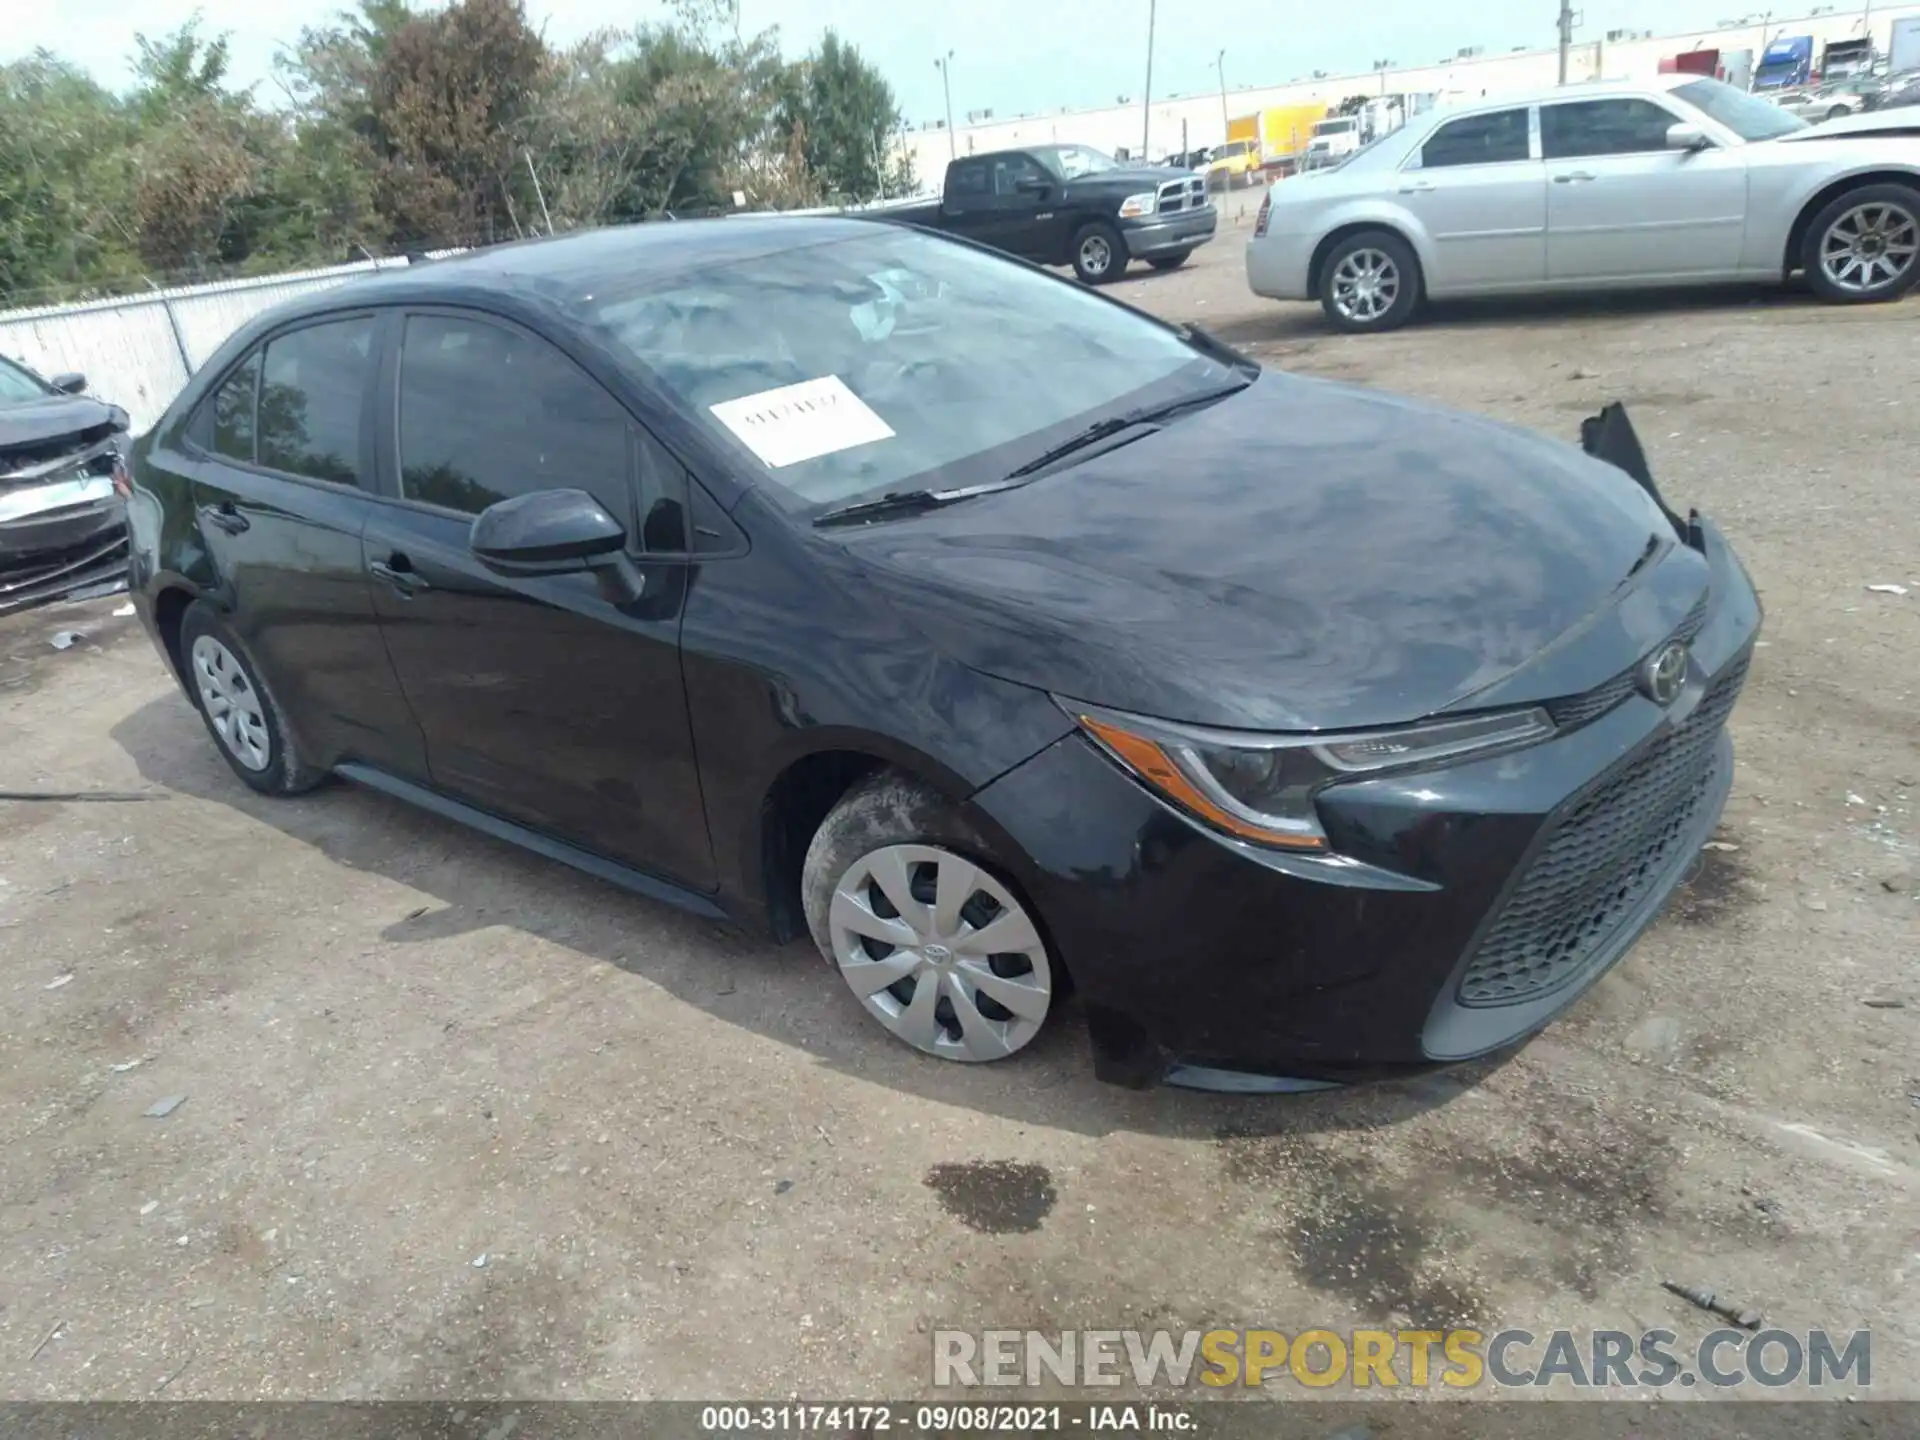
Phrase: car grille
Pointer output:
(1614, 847)
(1574, 711)
(1178, 195)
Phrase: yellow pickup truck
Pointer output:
(1274, 138)
(1233, 163)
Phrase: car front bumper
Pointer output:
(1461, 909)
(59, 537)
(1165, 234)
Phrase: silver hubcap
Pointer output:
(1095, 255)
(1869, 247)
(231, 703)
(1365, 285)
(940, 953)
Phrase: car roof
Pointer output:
(578, 264)
(1576, 90)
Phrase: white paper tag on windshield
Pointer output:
(798, 422)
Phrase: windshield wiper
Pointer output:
(1146, 415)
(903, 502)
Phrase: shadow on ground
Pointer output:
(780, 992)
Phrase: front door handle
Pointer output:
(225, 516)
(1573, 177)
(398, 572)
(1418, 187)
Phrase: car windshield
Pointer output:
(1073, 161)
(17, 384)
(894, 361)
(1748, 116)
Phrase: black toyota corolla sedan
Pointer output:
(850, 581)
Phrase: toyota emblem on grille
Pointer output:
(1664, 672)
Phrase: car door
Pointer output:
(1025, 208)
(278, 460)
(542, 699)
(1622, 204)
(1480, 194)
(967, 206)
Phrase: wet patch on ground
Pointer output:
(1719, 888)
(996, 1197)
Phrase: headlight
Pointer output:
(1135, 206)
(1261, 787)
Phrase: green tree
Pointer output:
(847, 119)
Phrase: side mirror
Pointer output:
(1031, 185)
(555, 532)
(71, 383)
(1687, 137)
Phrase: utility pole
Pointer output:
(1566, 36)
(1146, 100)
(1221, 65)
(945, 67)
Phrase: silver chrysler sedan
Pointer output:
(1674, 181)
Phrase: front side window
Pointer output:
(313, 390)
(1604, 127)
(1073, 161)
(487, 413)
(1478, 140)
(865, 364)
(233, 411)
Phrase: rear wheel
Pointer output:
(935, 946)
(1370, 281)
(1099, 254)
(1865, 246)
(247, 725)
(1171, 262)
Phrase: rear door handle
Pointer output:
(225, 516)
(398, 572)
(1418, 187)
(1573, 177)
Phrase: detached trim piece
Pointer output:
(1610, 436)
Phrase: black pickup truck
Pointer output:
(1071, 205)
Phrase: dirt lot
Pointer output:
(461, 1122)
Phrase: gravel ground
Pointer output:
(459, 1122)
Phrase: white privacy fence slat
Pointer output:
(137, 351)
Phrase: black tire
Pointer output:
(1170, 262)
(1901, 220)
(1099, 253)
(285, 770)
(890, 809)
(1838, 112)
(1405, 267)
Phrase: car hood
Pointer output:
(1143, 175)
(1301, 556)
(1861, 123)
(29, 424)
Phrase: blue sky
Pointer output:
(1010, 55)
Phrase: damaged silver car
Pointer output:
(63, 525)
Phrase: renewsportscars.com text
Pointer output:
(1417, 1359)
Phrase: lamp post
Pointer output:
(944, 65)
(1146, 99)
(1220, 64)
(1380, 68)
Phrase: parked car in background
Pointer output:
(1849, 96)
(1071, 205)
(1902, 91)
(857, 583)
(62, 523)
(1683, 180)
(1232, 164)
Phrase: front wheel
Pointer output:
(1170, 262)
(1099, 254)
(935, 946)
(1371, 281)
(1865, 246)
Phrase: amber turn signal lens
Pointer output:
(1152, 764)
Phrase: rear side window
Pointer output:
(313, 390)
(1604, 127)
(1478, 140)
(969, 179)
(487, 413)
(233, 411)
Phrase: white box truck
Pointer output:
(1903, 50)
